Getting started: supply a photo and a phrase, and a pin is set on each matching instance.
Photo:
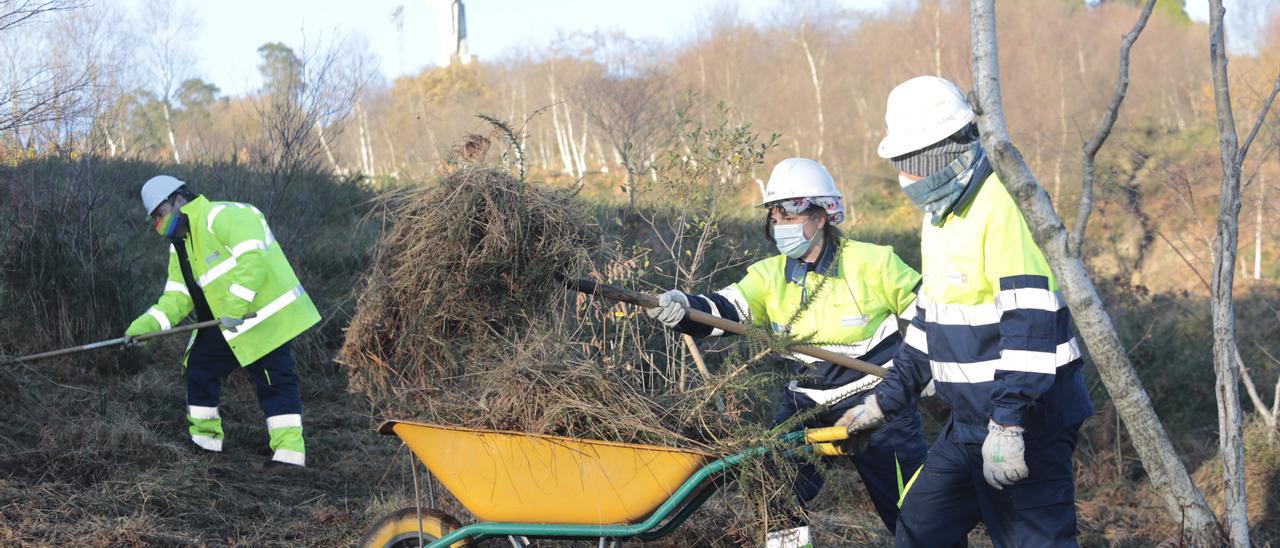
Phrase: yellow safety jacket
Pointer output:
(241, 270)
(846, 302)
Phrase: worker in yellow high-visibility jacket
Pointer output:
(840, 293)
(225, 264)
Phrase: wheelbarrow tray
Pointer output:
(518, 477)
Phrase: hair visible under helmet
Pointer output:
(801, 185)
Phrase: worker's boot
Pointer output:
(790, 538)
(286, 439)
(206, 427)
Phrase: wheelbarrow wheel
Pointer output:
(399, 529)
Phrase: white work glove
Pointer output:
(864, 416)
(672, 307)
(929, 390)
(1003, 455)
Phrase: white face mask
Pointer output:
(791, 241)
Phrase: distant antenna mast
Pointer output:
(397, 19)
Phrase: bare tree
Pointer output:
(36, 89)
(89, 39)
(169, 57)
(813, 23)
(631, 112)
(1183, 500)
(1226, 359)
(305, 96)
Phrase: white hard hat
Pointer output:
(157, 189)
(920, 112)
(799, 178)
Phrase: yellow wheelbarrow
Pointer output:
(523, 486)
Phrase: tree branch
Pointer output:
(1257, 125)
(1075, 244)
(14, 14)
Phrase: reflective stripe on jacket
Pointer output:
(856, 294)
(241, 269)
(991, 329)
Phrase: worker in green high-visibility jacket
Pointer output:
(225, 264)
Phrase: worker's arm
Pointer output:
(742, 302)
(1029, 309)
(900, 284)
(243, 230)
(174, 304)
(902, 384)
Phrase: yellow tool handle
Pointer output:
(828, 450)
(828, 434)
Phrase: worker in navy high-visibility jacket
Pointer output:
(991, 332)
(849, 295)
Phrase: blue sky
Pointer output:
(231, 30)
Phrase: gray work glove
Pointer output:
(672, 307)
(864, 416)
(231, 324)
(1003, 455)
(131, 343)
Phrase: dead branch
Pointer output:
(1076, 243)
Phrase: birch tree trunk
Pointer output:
(1226, 363)
(365, 167)
(328, 153)
(937, 40)
(1257, 227)
(168, 124)
(817, 92)
(1183, 501)
(561, 143)
(581, 148)
(366, 136)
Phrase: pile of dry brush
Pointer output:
(463, 320)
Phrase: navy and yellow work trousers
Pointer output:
(949, 497)
(210, 360)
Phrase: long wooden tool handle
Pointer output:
(649, 301)
(116, 342)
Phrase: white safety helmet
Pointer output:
(799, 178)
(157, 189)
(920, 112)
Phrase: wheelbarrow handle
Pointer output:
(614, 293)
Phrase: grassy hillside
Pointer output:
(93, 450)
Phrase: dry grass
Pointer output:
(463, 321)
